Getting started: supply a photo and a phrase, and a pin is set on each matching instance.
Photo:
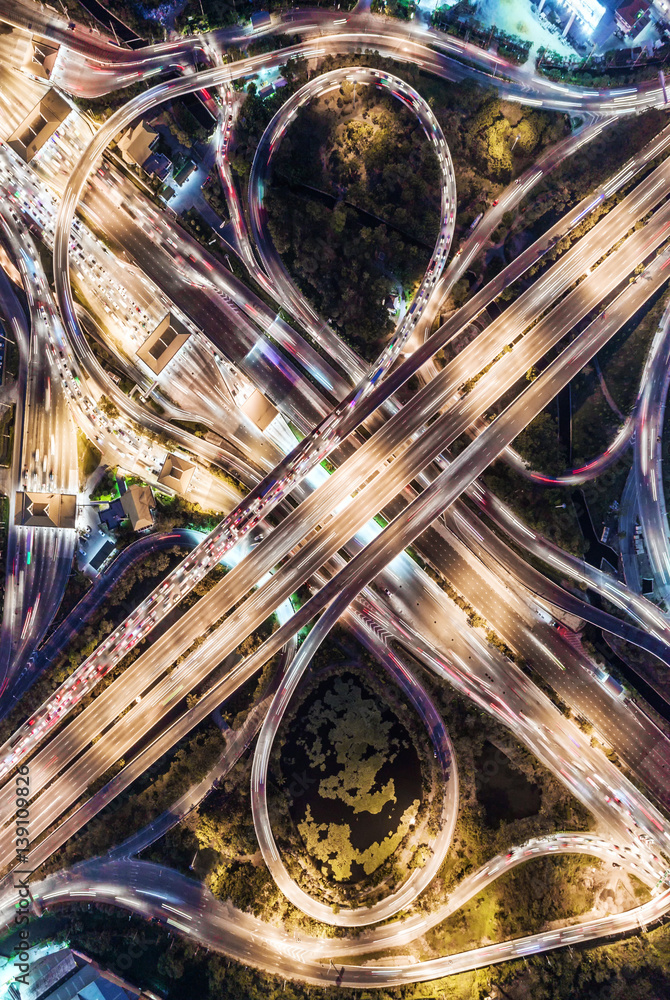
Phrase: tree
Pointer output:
(171, 965)
(459, 292)
(539, 443)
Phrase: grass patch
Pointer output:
(523, 901)
(108, 487)
(89, 456)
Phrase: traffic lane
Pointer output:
(260, 179)
(225, 327)
(557, 743)
(436, 497)
(473, 397)
(471, 309)
(101, 141)
(555, 659)
(648, 456)
(308, 560)
(164, 89)
(418, 879)
(205, 272)
(370, 29)
(223, 652)
(97, 595)
(37, 561)
(580, 286)
(152, 890)
(499, 554)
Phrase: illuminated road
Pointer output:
(186, 906)
(92, 65)
(489, 383)
(288, 473)
(95, 598)
(309, 559)
(259, 181)
(124, 437)
(47, 463)
(315, 531)
(649, 458)
(16, 320)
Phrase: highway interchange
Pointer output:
(61, 383)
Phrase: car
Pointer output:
(496, 202)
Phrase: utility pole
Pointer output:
(586, 60)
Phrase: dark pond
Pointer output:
(347, 760)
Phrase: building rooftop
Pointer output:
(259, 409)
(160, 348)
(137, 503)
(41, 58)
(102, 555)
(176, 473)
(50, 969)
(628, 12)
(39, 125)
(46, 510)
(158, 165)
(183, 173)
(135, 145)
(67, 975)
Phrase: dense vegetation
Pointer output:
(360, 778)
(545, 509)
(221, 831)
(158, 788)
(370, 237)
(585, 169)
(369, 155)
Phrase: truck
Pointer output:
(261, 19)
(475, 222)
(611, 683)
